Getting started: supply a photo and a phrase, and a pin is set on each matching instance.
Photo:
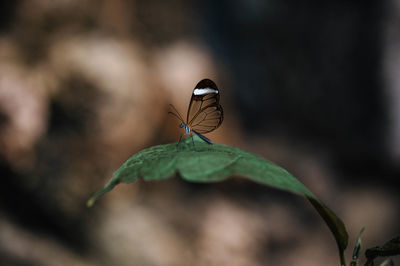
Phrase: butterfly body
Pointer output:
(205, 114)
(187, 128)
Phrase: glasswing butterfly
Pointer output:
(204, 114)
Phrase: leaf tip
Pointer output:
(101, 192)
(90, 202)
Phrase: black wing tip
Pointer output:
(206, 83)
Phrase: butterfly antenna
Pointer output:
(176, 114)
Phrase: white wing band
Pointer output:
(204, 91)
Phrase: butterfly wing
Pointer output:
(205, 114)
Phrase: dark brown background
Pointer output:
(85, 84)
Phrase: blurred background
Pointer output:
(313, 87)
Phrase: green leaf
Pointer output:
(211, 163)
(335, 225)
(390, 248)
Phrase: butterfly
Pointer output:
(204, 114)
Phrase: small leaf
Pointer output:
(357, 249)
(211, 163)
(390, 248)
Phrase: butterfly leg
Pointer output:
(194, 147)
(177, 144)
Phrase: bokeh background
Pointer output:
(313, 86)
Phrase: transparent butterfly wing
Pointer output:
(208, 119)
(205, 114)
